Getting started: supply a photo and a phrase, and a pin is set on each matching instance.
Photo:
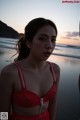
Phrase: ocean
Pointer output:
(68, 58)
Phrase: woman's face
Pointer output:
(43, 43)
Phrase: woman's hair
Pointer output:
(30, 31)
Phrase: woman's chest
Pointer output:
(36, 82)
(39, 83)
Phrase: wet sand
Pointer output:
(68, 99)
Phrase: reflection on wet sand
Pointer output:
(79, 83)
(72, 61)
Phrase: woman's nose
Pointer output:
(49, 45)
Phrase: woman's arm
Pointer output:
(5, 90)
(53, 103)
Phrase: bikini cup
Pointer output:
(26, 98)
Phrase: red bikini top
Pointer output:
(26, 98)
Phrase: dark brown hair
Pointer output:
(30, 30)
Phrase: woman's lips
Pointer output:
(47, 54)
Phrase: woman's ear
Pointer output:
(29, 44)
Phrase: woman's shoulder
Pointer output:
(8, 70)
(56, 70)
(7, 76)
(55, 67)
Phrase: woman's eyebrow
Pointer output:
(46, 35)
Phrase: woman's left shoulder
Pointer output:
(55, 67)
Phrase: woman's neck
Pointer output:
(37, 64)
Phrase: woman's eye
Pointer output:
(42, 39)
(53, 40)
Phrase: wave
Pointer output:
(72, 56)
(58, 54)
(14, 42)
(60, 49)
(8, 47)
(68, 46)
(2, 42)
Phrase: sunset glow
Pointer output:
(66, 16)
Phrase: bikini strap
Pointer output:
(52, 71)
(21, 75)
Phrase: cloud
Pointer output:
(71, 35)
(65, 37)
(76, 38)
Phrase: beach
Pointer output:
(68, 98)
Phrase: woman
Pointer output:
(30, 84)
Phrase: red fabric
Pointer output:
(42, 116)
(26, 98)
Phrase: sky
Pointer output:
(17, 13)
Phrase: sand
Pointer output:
(68, 99)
